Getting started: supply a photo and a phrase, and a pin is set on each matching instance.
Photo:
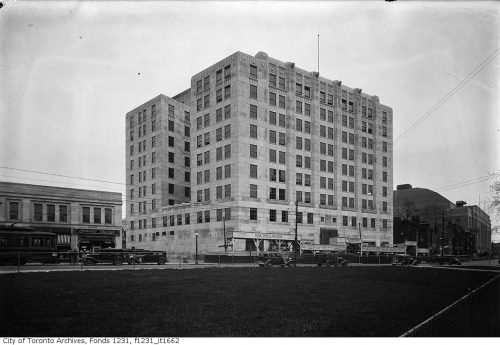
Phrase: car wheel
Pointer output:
(269, 264)
(118, 261)
(161, 261)
(88, 262)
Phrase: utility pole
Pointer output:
(296, 240)
(442, 239)
(224, 227)
(360, 242)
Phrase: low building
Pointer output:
(82, 219)
(419, 215)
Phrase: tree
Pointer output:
(495, 197)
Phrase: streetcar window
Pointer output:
(3, 241)
(36, 242)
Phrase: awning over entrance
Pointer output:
(64, 240)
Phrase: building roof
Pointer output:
(420, 198)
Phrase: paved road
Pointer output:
(493, 263)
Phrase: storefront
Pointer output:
(96, 239)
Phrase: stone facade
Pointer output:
(82, 219)
(266, 134)
(157, 159)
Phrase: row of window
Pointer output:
(204, 120)
(221, 192)
(204, 139)
(220, 153)
(60, 213)
(204, 176)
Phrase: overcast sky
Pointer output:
(70, 71)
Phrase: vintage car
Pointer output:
(268, 259)
(404, 260)
(105, 256)
(146, 256)
(328, 260)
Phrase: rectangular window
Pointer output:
(253, 72)
(227, 72)
(63, 213)
(253, 171)
(253, 91)
(281, 83)
(272, 118)
(227, 171)
(218, 76)
(85, 214)
(272, 137)
(272, 80)
(253, 214)
(253, 132)
(272, 98)
(253, 111)
(253, 151)
(227, 151)
(284, 216)
(281, 157)
(253, 191)
(227, 91)
(227, 111)
(38, 214)
(282, 102)
(272, 215)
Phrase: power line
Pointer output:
(446, 97)
(59, 175)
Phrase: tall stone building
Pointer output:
(157, 158)
(267, 135)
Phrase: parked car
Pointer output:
(146, 256)
(328, 260)
(449, 260)
(268, 259)
(404, 260)
(105, 256)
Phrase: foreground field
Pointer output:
(303, 301)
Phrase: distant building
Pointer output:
(422, 212)
(265, 135)
(82, 219)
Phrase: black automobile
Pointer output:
(269, 259)
(106, 256)
(404, 260)
(449, 261)
(146, 256)
(329, 260)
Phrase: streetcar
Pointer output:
(23, 245)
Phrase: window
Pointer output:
(253, 72)
(298, 124)
(227, 171)
(218, 76)
(272, 137)
(298, 107)
(272, 215)
(253, 91)
(38, 214)
(253, 214)
(299, 217)
(298, 179)
(272, 193)
(281, 83)
(227, 191)
(272, 156)
(227, 151)
(272, 118)
(298, 143)
(307, 127)
(281, 157)
(284, 216)
(227, 111)
(298, 89)
(253, 191)
(85, 215)
(227, 91)
(253, 132)
(272, 98)
(310, 218)
(282, 193)
(253, 111)
(272, 80)
(171, 157)
(282, 102)
(199, 217)
(281, 176)
(272, 174)
(227, 72)
(282, 121)
(218, 96)
(307, 92)
(227, 131)
(298, 161)
(63, 213)
(307, 109)
(253, 151)
(253, 171)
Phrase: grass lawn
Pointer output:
(302, 301)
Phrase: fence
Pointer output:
(476, 314)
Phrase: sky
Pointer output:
(70, 72)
